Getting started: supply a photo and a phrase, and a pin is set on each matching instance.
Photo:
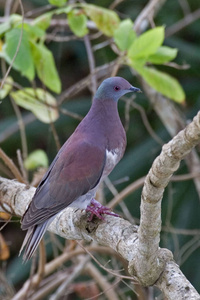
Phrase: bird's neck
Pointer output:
(102, 121)
(104, 113)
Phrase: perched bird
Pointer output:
(90, 154)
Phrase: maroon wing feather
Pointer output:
(76, 169)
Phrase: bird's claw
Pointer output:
(97, 209)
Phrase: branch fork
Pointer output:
(148, 263)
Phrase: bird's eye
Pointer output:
(116, 88)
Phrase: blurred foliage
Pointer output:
(56, 66)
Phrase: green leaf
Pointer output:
(57, 2)
(124, 35)
(147, 43)
(15, 20)
(4, 91)
(77, 23)
(37, 158)
(62, 10)
(33, 31)
(45, 67)
(163, 83)
(4, 27)
(40, 102)
(43, 21)
(106, 20)
(163, 54)
(24, 60)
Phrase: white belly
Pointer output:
(112, 158)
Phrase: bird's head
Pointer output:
(114, 88)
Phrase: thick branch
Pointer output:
(147, 262)
(174, 121)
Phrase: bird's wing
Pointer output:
(76, 169)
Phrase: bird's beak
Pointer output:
(135, 90)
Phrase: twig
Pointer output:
(76, 271)
(38, 10)
(101, 45)
(115, 4)
(5, 170)
(13, 168)
(7, 9)
(12, 129)
(59, 261)
(183, 177)
(42, 261)
(190, 18)
(82, 84)
(55, 135)
(6, 288)
(146, 123)
(48, 285)
(21, 165)
(147, 14)
(185, 6)
(111, 186)
(107, 288)
(70, 114)
(176, 66)
(127, 191)
(188, 249)
(91, 62)
(102, 267)
(180, 231)
(61, 39)
(127, 112)
(22, 129)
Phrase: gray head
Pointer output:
(114, 88)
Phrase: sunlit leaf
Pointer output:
(43, 21)
(33, 30)
(63, 10)
(4, 27)
(124, 35)
(57, 2)
(40, 102)
(77, 23)
(163, 54)
(45, 67)
(15, 20)
(37, 158)
(106, 20)
(4, 91)
(24, 60)
(147, 43)
(163, 83)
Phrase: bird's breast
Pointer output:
(112, 158)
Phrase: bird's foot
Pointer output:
(97, 209)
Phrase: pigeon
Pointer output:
(86, 158)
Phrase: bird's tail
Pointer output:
(32, 239)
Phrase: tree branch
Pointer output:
(140, 247)
(157, 179)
